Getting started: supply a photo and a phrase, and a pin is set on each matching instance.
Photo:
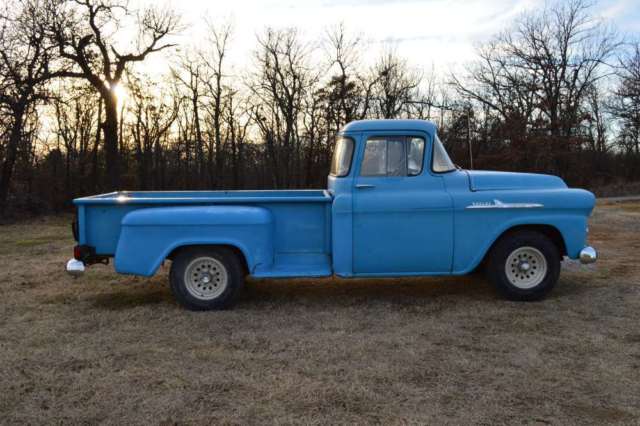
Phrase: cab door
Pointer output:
(402, 213)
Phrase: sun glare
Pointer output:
(121, 93)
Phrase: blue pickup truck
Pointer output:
(395, 206)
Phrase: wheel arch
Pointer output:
(233, 248)
(547, 230)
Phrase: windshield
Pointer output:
(441, 162)
(341, 162)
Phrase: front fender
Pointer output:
(474, 240)
(149, 235)
(481, 217)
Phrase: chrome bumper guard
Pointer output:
(588, 255)
(75, 267)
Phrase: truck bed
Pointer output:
(301, 220)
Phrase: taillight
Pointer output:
(86, 254)
(77, 253)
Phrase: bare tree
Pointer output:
(189, 75)
(153, 116)
(214, 60)
(537, 74)
(237, 124)
(25, 65)
(343, 91)
(625, 103)
(506, 89)
(75, 125)
(84, 31)
(394, 84)
(282, 78)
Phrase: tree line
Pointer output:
(558, 91)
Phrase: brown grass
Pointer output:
(114, 349)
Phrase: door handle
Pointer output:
(364, 186)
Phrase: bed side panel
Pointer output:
(149, 235)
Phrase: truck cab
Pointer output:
(395, 205)
(392, 212)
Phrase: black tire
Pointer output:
(215, 298)
(515, 243)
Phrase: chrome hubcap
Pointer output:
(526, 267)
(206, 278)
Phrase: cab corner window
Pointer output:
(441, 162)
(393, 156)
(341, 162)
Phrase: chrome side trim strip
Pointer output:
(497, 204)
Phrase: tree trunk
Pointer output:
(10, 158)
(139, 154)
(96, 145)
(111, 141)
(218, 144)
(199, 142)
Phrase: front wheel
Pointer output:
(204, 278)
(524, 266)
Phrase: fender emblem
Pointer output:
(497, 204)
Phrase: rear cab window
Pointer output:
(342, 156)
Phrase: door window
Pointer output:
(374, 162)
(415, 156)
(393, 156)
(396, 159)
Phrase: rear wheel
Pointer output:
(204, 278)
(524, 265)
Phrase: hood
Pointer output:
(491, 181)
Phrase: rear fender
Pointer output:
(149, 235)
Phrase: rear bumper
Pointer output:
(84, 256)
(588, 255)
(75, 267)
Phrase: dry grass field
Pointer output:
(114, 349)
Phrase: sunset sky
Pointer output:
(428, 32)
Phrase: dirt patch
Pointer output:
(116, 349)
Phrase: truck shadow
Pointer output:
(335, 292)
(340, 292)
(294, 292)
(123, 299)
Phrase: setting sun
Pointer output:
(121, 93)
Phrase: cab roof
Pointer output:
(380, 125)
